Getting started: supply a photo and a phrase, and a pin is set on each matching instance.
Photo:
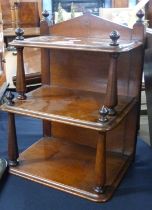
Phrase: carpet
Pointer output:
(134, 192)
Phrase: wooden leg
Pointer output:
(100, 165)
(12, 141)
(20, 75)
(46, 128)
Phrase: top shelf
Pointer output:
(76, 43)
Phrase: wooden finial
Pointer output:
(139, 28)
(140, 14)
(114, 36)
(19, 34)
(103, 114)
(45, 14)
(9, 96)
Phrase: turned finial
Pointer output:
(9, 96)
(19, 34)
(45, 14)
(140, 14)
(114, 36)
(103, 114)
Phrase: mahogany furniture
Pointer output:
(88, 102)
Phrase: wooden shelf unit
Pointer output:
(89, 103)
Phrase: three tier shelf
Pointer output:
(88, 102)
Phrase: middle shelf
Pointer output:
(69, 106)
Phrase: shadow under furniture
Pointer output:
(89, 104)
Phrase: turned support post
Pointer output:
(20, 75)
(100, 164)
(45, 65)
(111, 98)
(12, 141)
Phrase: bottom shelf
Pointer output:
(69, 167)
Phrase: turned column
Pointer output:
(111, 98)
(100, 164)
(45, 65)
(12, 141)
(20, 76)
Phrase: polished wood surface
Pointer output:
(90, 26)
(111, 98)
(56, 160)
(69, 106)
(71, 103)
(85, 44)
(28, 14)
